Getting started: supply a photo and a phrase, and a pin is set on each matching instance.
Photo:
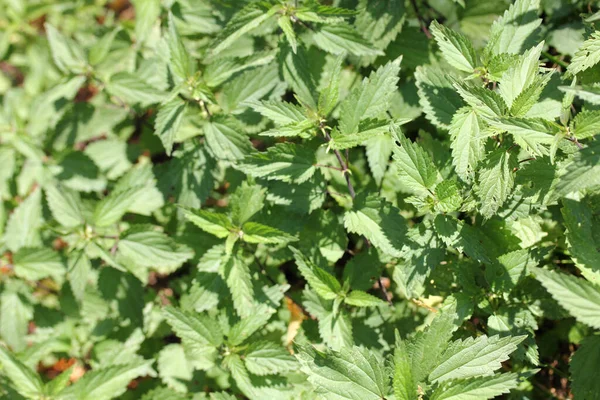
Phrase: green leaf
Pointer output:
(582, 172)
(168, 121)
(481, 388)
(587, 56)
(254, 318)
(280, 112)
(520, 75)
(211, 222)
(380, 22)
(534, 135)
(403, 382)
(448, 195)
(466, 133)
(15, 314)
(589, 93)
(370, 99)
(285, 162)
(295, 69)
(328, 97)
(586, 124)
(417, 171)
(253, 232)
(24, 379)
(343, 38)
(487, 103)
(516, 30)
(236, 274)
(246, 201)
(578, 296)
(359, 298)
(321, 281)
(455, 47)
(265, 358)
(180, 61)
(530, 96)
(110, 209)
(79, 269)
(200, 335)
(149, 248)
(474, 357)
(367, 129)
(465, 238)
(247, 87)
(225, 141)
(495, 181)
(583, 368)
(106, 383)
(67, 55)
(174, 368)
(285, 24)
(378, 150)
(24, 223)
(65, 205)
(426, 347)
(579, 221)
(132, 89)
(146, 15)
(352, 373)
(37, 263)
(378, 221)
(245, 20)
(437, 96)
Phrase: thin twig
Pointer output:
(555, 60)
(343, 165)
(421, 19)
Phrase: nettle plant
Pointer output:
(295, 200)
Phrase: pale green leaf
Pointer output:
(417, 171)
(359, 298)
(150, 248)
(132, 89)
(466, 133)
(520, 75)
(578, 296)
(37, 263)
(352, 373)
(236, 274)
(481, 388)
(264, 358)
(106, 383)
(285, 24)
(328, 97)
(254, 318)
(67, 55)
(24, 379)
(110, 209)
(403, 382)
(214, 223)
(245, 20)
(321, 281)
(437, 96)
(516, 30)
(64, 204)
(495, 181)
(180, 61)
(474, 357)
(455, 47)
(582, 172)
(253, 232)
(586, 124)
(378, 221)
(24, 223)
(343, 38)
(534, 135)
(370, 98)
(168, 121)
(295, 69)
(285, 162)
(246, 201)
(587, 56)
(225, 141)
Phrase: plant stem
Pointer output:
(554, 59)
(343, 165)
(421, 19)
